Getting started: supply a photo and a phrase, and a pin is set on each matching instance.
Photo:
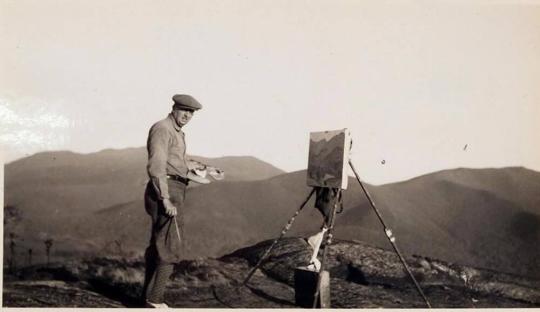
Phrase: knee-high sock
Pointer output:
(157, 281)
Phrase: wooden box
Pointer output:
(305, 283)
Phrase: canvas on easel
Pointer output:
(329, 158)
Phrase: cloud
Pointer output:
(31, 116)
(28, 125)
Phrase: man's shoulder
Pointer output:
(163, 124)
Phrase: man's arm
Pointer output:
(158, 146)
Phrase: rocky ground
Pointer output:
(361, 277)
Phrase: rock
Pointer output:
(361, 276)
(53, 294)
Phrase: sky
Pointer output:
(422, 85)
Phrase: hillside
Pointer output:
(436, 215)
(66, 167)
(483, 217)
(70, 181)
(55, 191)
(362, 276)
(480, 217)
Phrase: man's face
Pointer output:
(182, 116)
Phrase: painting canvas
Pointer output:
(328, 158)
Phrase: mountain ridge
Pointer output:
(470, 216)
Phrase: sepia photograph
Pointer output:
(264, 154)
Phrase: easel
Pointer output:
(329, 237)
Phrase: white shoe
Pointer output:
(156, 305)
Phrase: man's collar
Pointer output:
(175, 125)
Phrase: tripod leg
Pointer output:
(390, 237)
(285, 229)
(329, 237)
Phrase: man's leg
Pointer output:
(157, 282)
(157, 272)
(161, 251)
(150, 269)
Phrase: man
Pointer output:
(164, 196)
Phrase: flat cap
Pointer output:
(184, 101)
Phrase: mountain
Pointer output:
(56, 190)
(67, 183)
(446, 215)
(68, 167)
(483, 217)
(486, 218)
